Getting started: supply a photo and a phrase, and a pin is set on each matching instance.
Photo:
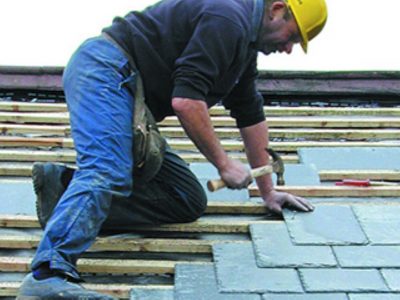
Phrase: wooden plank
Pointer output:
(101, 266)
(121, 244)
(221, 111)
(68, 156)
(32, 107)
(46, 118)
(307, 122)
(335, 191)
(317, 134)
(16, 169)
(296, 122)
(220, 225)
(388, 175)
(317, 111)
(180, 144)
(121, 291)
(42, 130)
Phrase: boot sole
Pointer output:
(37, 178)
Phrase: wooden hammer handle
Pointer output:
(215, 185)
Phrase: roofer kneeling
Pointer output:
(178, 57)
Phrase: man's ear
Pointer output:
(277, 10)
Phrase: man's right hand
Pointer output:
(235, 174)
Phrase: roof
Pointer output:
(349, 248)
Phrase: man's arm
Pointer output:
(255, 138)
(194, 117)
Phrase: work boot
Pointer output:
(55, 288)
(49, 182)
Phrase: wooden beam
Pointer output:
(101, 266)
(13, 106)
(68, 156)
(295, 122)
(121, 291)
(335, 191)
(42, 130)
(388, 175)
(288, 133)
(122, 244)
(307, 122)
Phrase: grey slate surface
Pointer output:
(374, 296)
(381, 223)
(237, 271)
(17, 197)
(347, 158)
(368, 256)
(198, 282)
(327, 225)
(316, 296)
(274, 248)
(342, 280)
(392, 277)
(151, 294)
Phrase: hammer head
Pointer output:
(277, 166)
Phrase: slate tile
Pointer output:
(300, 174)
(204, 170)
(198, 282)
(274, 248)
(381, 223)
(18, 197)
(316, 296)
(374, 296)
(237, 272)
(351, 158)
(392, 277)
(368, 256)
(342, 280)
(151, 294)
(327, 225)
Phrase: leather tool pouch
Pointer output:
(149, 145)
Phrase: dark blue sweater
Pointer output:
(200, 49)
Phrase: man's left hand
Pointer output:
(275, 201)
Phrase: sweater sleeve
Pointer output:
(215, 43)
(245, 102)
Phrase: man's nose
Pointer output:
(289, 47)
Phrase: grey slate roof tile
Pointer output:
(342, 280)
(198, 282)
(237, 272)
(374, 296)
(274, 248)
(392, 277)
(20, 197)
(351, 158)
(316, 296)
(368, 256)
(381, 223)
(327, 225)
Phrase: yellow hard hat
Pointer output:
(311, 16)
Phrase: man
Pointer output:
(190, 54)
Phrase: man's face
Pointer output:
(278, 33)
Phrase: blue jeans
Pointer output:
(103, 191)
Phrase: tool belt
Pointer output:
(149, 145)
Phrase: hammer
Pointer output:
(276, 167)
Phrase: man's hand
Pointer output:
(275, 201)
(235, 174)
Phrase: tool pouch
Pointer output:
(149, 146)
